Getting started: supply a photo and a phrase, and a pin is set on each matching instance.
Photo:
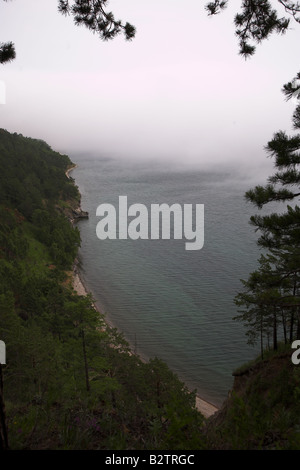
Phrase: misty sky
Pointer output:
(179, 91)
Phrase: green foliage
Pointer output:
(54, 231)
(263, 409)
(88, 13)
(7, 52)
(271, 294)
(270, 298)
(31, 174)
(257, 20)
(255, 23)
(70, 381)
(264, 412)
(94, 17)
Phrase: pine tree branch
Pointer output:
(7, 52)
(286, 178)
(92, 14)
(214, 8)
(292, 9)
(261, 195)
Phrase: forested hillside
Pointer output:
(263, 408)
(70, 381)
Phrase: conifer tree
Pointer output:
(257, 20)
(270, 299)
(279, 230)
(274, 289)
(93, 15)
(89, 13)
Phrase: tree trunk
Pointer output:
(87, 382)
(261, 338)
(292, 327)
(275, 345)
(293, 316)
(284, 327)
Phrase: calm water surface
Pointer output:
(172, 303)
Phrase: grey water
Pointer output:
(168, 302)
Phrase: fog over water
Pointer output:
(179, 92)
(176, 115)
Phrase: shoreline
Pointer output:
(70, 169)
(204, 406)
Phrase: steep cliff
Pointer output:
(263, 409)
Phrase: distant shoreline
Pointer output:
(204, 406)
(70, 169)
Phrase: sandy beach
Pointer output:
(206, 408)
(70, 169)
(78, 286)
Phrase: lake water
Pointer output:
(172, 303)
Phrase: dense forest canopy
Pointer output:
(70, 381)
